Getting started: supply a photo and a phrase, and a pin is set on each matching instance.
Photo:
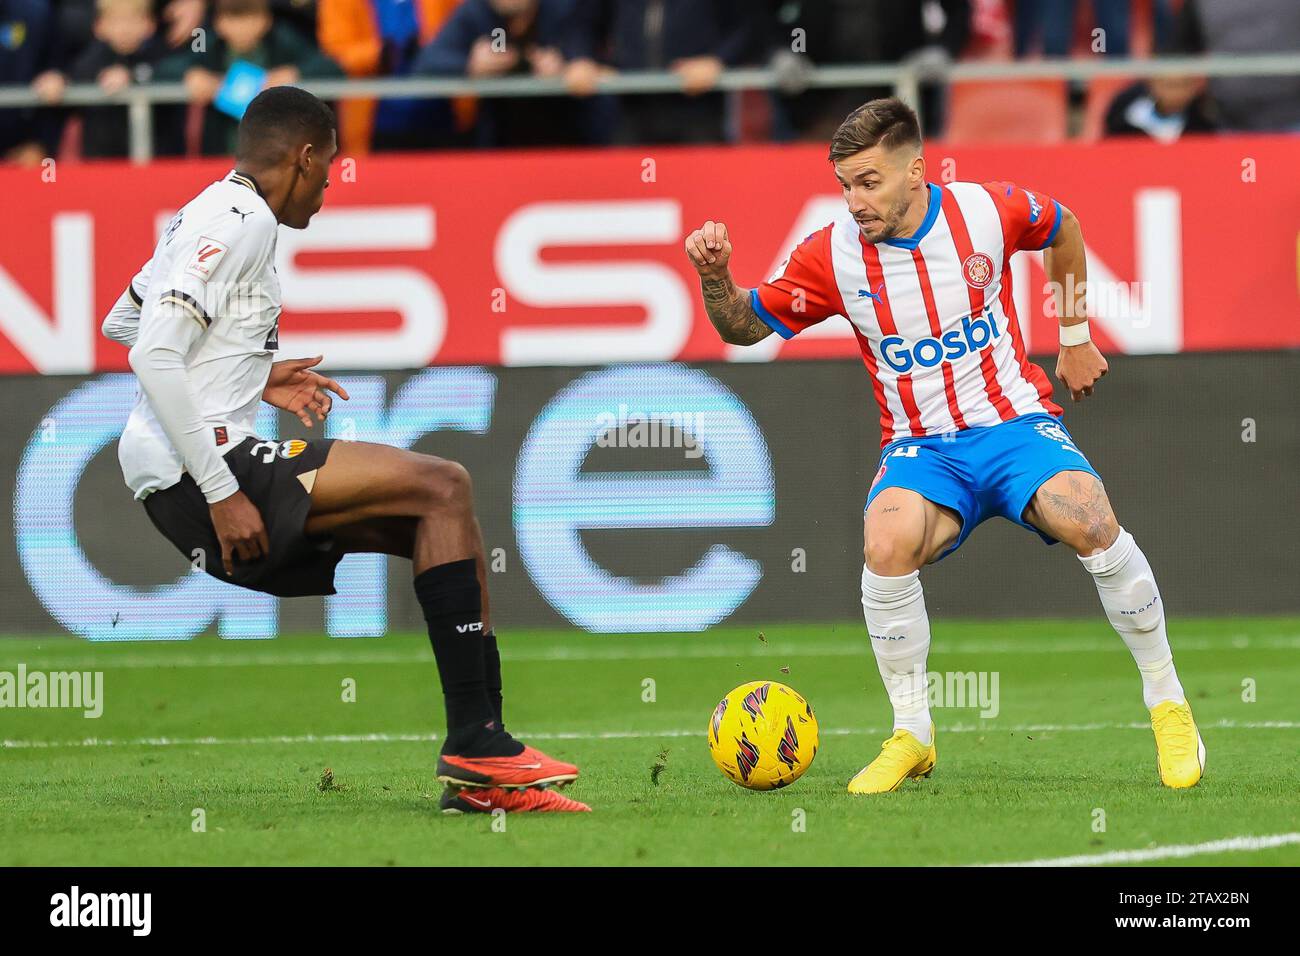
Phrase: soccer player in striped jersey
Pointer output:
(202, 321)
(970, 431)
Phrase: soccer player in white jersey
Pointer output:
(923, 275)
(201, 319)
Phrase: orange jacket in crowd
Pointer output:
(347, 31)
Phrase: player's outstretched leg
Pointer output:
(1072, 506)
(397, 536)
(902, 531)
(379, 499)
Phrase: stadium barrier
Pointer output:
(575, 257)
(665, 496)
(794, 76)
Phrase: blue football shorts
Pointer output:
(982, 472)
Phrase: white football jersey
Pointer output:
(214, 265)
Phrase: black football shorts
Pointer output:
(275, 476)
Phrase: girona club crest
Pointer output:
(977, 270)
(754, 701)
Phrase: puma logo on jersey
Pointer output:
(242, 215)
(469, 628)
(868, 294)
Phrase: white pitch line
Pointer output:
(584, 735)
(1248, 844)
(851, 646)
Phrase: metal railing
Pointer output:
(905, 79)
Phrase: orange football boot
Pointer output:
(531, 768)
(485, 800)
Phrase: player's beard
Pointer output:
(891, 223)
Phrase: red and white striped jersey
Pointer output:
(933, 313)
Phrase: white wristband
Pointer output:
(1075, 334)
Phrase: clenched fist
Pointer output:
(1080, 368)
(709, 250)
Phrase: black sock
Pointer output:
(452, 604)
(492, 673)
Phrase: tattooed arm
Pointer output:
(709, 250)
(730, 312)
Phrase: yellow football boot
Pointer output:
(901, 756)
(1180, 752)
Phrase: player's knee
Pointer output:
(1096, 530)
(892, 554)
(446, 485)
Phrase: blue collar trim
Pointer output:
(931, 214)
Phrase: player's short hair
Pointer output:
(887, 122)
(279, 120)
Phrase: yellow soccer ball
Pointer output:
(763, 735)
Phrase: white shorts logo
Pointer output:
(1058, 434)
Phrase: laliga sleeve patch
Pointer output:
(1035, 207)
(207, 256)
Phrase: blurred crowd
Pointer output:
(224, 51)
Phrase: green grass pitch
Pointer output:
(244, 730)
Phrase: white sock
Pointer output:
(900, 637)
(1132, 602)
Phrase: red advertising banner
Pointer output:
(575, 257)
